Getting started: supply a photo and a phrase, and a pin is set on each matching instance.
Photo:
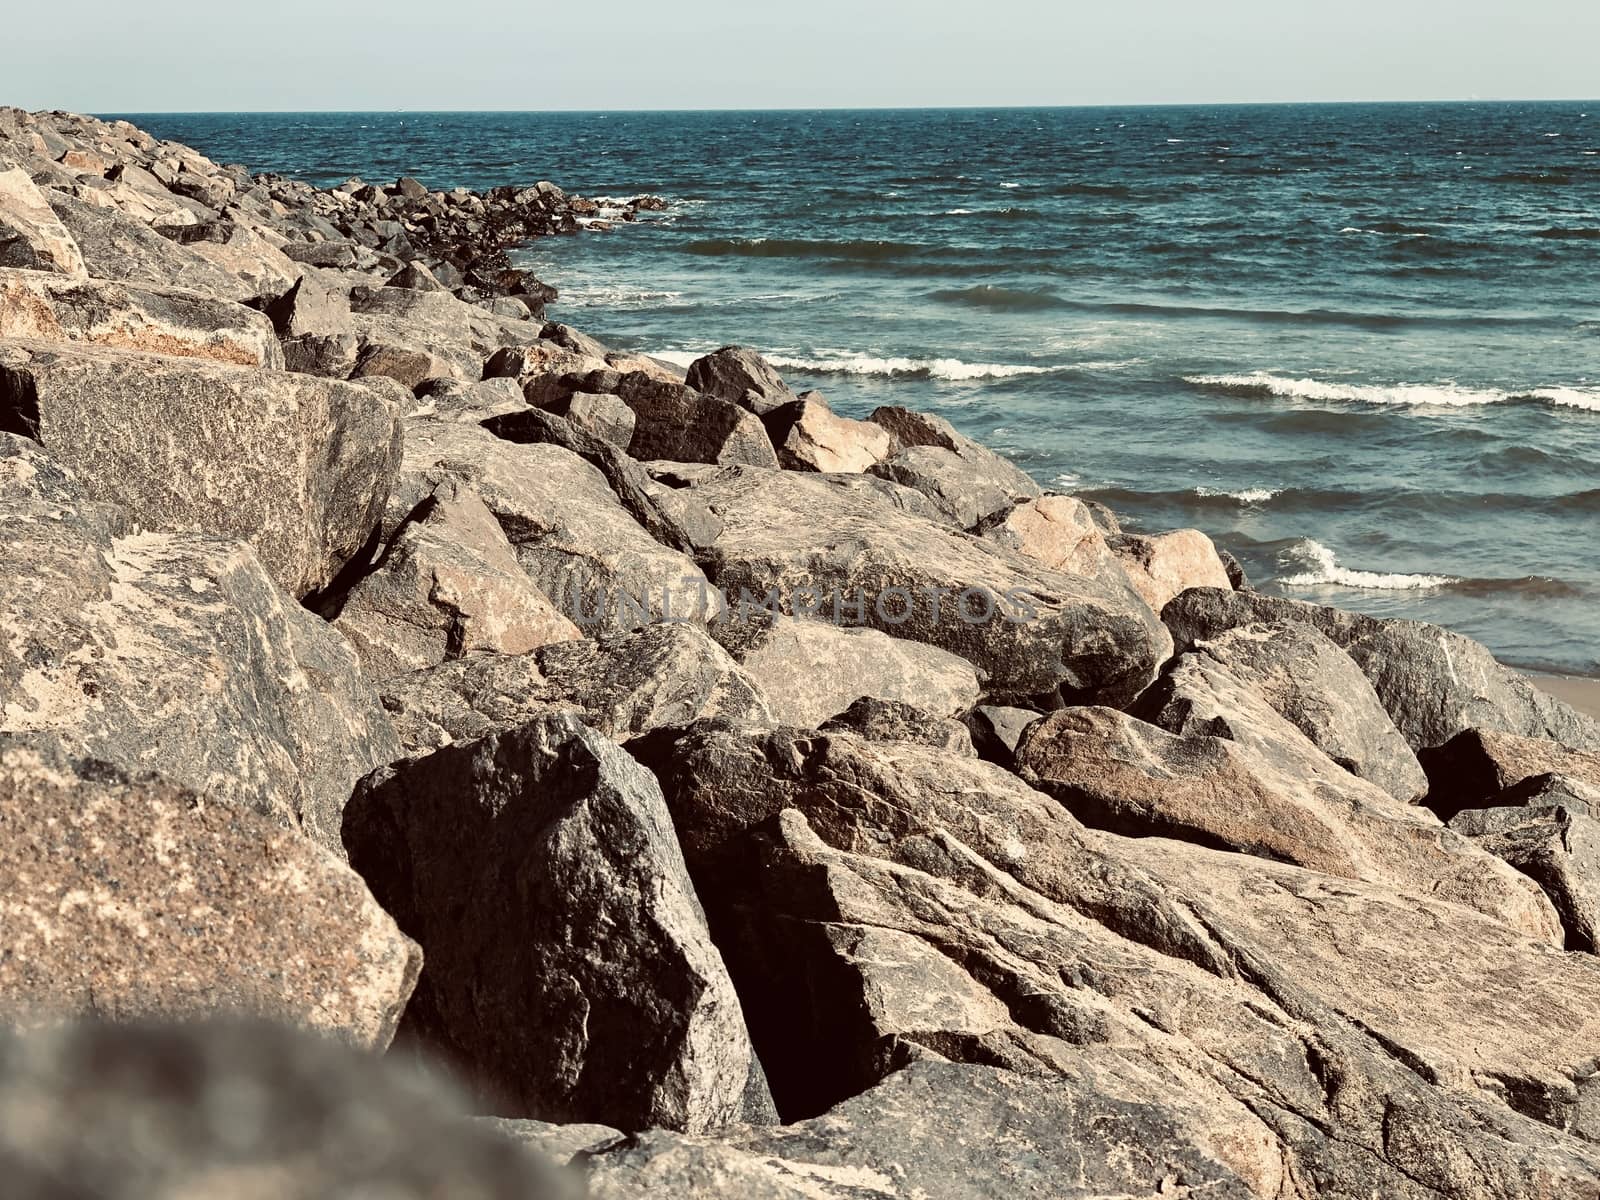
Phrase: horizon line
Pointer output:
(197, 112)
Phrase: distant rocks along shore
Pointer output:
(443, 755)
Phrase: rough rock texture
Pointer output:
(569, 974)
(571, 534)
(309, 308)
(131, 900)
(1165, 564)
(1556, 846)
(945, 1130)
(120, 247)
(810, 670)
(895, 721)
(1433, 683)
(1272, 795)
(1477, 765)
(298, 467)
(808, 436)
(1320, 690)
(173, 653)
(740, 376)
(1026, 629)
(997, 731)
(38, 307)
(605, 417)
(967, 482)
(675, 421)
(880, 903)
(243, 1111)
(448, 585)
(1057, 532)
(32, 237)
(624, 684)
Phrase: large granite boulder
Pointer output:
(1164, 564)
(571, 534)
(1318, 688)
(1433, 683)
(881, 904)
(32, 237)
(298, 467)
(621, 685)
(569, 974)
(173, 653)
(809, 436)
(1558, 847)
(120, 247)
(1474, 768)
(740, 376)
(854, 560)
(1268, 793)
(35, 306)
(247, 1111)
(672, 420)
(447, 585)
(129, 899)
(967, 482)
(811, 670)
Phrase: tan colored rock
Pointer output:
(1165, 564)
(134, 900)
(1476, 766)
(448, 585)
(36, 306)
(31, 235)
(808, 436)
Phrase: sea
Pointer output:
(1359, 345)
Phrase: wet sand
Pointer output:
(1582, 694)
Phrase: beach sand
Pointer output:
(1582, 694)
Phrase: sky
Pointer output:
(298, 55)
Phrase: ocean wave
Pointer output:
(862, 251)
(1244, 496)
(1415, 395)
(1005, 299)
(1322, 569)
(1380, 231)
(1570, 234)
(836, 362)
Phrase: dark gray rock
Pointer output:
(997, 731)
(740, 376)
(245, 1111)
(675, 421)
(298, 467)
(895, 721)
(1474, 768)
(1433, 683)
(1558, 848)
(559, 835)
(623, 685)
(605, 417)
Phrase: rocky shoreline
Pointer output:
(728, 797)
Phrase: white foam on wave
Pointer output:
(837, 362)
(1414, 395)
(1009, 186)
(1382, 232)
(1245, 496)
(959, 212)
(1323, 570)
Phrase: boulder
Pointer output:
(129, 899)
(997, 731)
(173, 653)
(416, 276)
(243, 253)
(119, 247)
(967, 481)
(857, 561)
(35, 306)
(554, 830)
(1558, 848)
(675, 421)
(1476, 766)
(453, 400)
(298, 467)
(571, 535)
(1318, 688)
(1272, 795)
(249, 1111)
(895, 721)
(881, 904)
(809, 437)
(604, 417)
(812, 670)
(333, 356)
(1164, 564)
(740, 376)
(406, 365)
(622, 685)
(1057, 532)
(1433, 683)
(923, 1132)
(32, 237)
(447, 585)
(310, 308)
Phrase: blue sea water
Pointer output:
(1359, 344)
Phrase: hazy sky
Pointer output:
(163, 55)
